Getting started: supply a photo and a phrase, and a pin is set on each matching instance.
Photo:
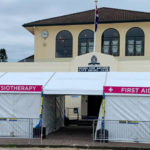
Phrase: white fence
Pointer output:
(121, 131)
(19, 128)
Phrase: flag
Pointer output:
(96, 18)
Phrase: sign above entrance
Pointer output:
(21, 88)
(93, 69)
(127, 90)
(94, 66)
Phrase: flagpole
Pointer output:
(94, 27)
(94, 41)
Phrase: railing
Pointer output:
(121, 131)
(20, 128)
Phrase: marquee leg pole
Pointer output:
(41, 117)
(103, 110)
(103, 118)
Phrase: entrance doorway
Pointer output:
(94, 103)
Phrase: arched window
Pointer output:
(135, 42)
(63, 44)
(85, 42)
(110, 42)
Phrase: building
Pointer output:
(65, 44)
(122, 42)
(122, 39)
(27, 59)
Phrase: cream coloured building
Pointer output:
(122, 40)
(65, 44)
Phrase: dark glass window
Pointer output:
(85, 42)
(111, 42)
(64, 44)
(135, 42)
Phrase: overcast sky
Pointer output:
(19, 42)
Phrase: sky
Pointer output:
(19, 43)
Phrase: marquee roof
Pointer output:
(128, 79)
(76, 83)
(106, 15)
(19, 78)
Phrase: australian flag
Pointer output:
(96, 18)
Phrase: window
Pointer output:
(110, 42)
(64, 44)
(85, 42)
(135, 42)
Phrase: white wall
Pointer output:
(53, 113)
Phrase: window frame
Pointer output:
(87, 41)
(135, 39)
(110, 40)
(65, 40)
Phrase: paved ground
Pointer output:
(71, 137)
(43, 149)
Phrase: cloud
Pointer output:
(137, 5)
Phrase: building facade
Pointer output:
(122, 40)
(65, 44)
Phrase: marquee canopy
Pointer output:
(76, 83)
(128, 79)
